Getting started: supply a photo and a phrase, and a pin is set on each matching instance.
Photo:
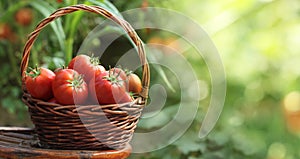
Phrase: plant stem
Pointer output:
(69, 49)
(76, 17)
(34, 56)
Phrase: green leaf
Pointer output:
(6, 16)
(249, 143)
(53, 62)
(8, 103)
(15, 92)
(189, 142)
(73, 22)
(45, 9)
(107, 5)
(219, 138)
(158, 68)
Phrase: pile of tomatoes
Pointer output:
(84, 81)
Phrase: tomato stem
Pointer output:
(34, 72)
(113, 78)
(94, 60)
(127, 72)
(76, 82)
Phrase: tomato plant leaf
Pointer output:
(189, 142)
(249, 143)
(107, 5)
(5, 16)
(158, 68)
(45, 9)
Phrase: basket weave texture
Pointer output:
(85, 126)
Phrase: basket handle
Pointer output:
(99, 10)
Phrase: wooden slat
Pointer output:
(7, 144)
(15, 144)
(10, 139)
(17, 135)
(28, 153)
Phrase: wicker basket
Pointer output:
(89, 126)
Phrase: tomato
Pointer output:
(5, 31)
(108, 88)
(134, 83)
(53, 100)
(69, 87)
(145, 5)
(88, 66)
(24, 16)
(92, 85)
(38, 83)
(119, 72)
(126, 98)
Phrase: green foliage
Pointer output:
(257, 42)
(50, 50)
(46, 9)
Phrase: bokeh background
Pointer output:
(258, 41)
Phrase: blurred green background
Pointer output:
(258, 41)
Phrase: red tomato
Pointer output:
(109, 89)
(24, 16)
(69, 87)
(119, 72)
(5, 31)
(92, 86)
(126, 98)
(38, 83)
(88, 66)
(134, 83)
(53, 100)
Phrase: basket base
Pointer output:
(16, 143)
(86, 127)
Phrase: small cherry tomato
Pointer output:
(134, 83)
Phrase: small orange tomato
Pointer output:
(134, 82)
